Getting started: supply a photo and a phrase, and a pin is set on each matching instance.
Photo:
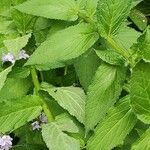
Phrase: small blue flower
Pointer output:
(36, 125)
(9, 57)
(5, 142)
(23, 54)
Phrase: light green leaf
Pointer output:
(58, 9)
(140, 91)
(111, 14)
(70, 98)
(64, 45)
(82, 3)
(60, 140)
(15, 45)
(142, 143)
(103, 93)
(86, 66)
(23, 22)
(144, 45)
(109, 56)
(6, 26)
(65, 123)
(5, 7)
(91, 6)
(139, 19)
(15, 88)
(126, 37)
(3, 76)
(16, 113)
(113, 130)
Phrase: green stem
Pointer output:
(37, 88)
(35, 80)
(48, 112)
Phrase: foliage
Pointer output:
(75, 74)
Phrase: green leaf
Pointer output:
(6, 26)
(58, 9)
(29, 147)
(111, 14)
(15, 45)
(86, 66)
(144, 45)
(91, 6)
(136, 2)
(3, 76)
(113, 130)
(70, 98)
(28, 137)
(55, 137)
(19, 72)
(16, 113)
(15, 88)
(126, 37)
(140, 91)
(109, 56)
(64, 45)
(139, 19)
(143, 142)
(5, 7)
(103, 93)
(23, 22)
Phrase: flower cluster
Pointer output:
(5, 142)
(9, 57)
(42, 120)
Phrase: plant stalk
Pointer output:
(37, 88)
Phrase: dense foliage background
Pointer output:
(74, 74)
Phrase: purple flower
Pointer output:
(9, 57)
(5, 142)
(23, 54)
(43, 118)
(36, 125)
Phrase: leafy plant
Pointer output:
(74, 74)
